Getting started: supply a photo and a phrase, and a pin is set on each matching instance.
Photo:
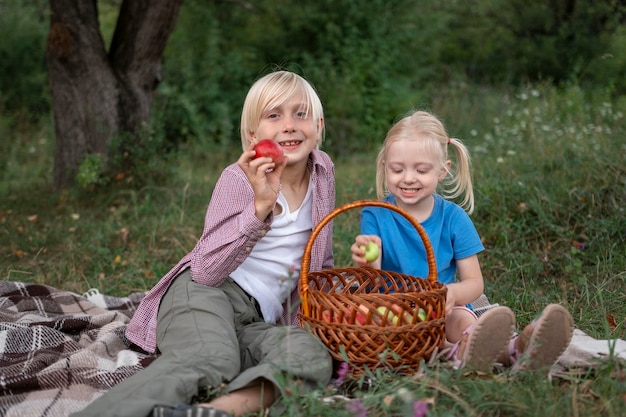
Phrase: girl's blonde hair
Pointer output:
(272, 90)
(421, 125)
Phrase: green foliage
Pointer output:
(23, 79)
(609, 68)
(352, 60)
(371, 61)
(358, 64)
(90, 171)
(137, 158)
(522, 40)
(202, 92)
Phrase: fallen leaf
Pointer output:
(610, 318)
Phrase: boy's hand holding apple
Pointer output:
(263, 173)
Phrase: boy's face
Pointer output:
(291, 127)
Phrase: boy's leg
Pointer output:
(198, 340)
(274, 357)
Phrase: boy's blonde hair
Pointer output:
(421, 125)
(272, 90)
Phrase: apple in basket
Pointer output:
(360, 316)
(327, 316)
(408, 318)
(389, 313)
(269, 148)
(394, 312)
(421, 314)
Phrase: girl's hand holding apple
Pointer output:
(366, 250)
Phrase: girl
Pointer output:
(226, 313)
(410, 168)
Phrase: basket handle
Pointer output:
(306, 258)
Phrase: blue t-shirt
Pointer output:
(451, 233)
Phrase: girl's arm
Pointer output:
(470, 285)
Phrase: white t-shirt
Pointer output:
(272, 270)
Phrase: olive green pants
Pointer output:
(208, 336)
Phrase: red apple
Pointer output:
(269, 148)
(326, 316)
(360, 316)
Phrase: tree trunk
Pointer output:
(96, 95)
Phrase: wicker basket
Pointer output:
(349, 308)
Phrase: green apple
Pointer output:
(386, 312)
(372, 251)
(421, 314)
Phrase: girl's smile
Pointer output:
(413, 171)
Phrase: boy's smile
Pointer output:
(291, 125)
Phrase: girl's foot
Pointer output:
(484, 341)
(544, 340)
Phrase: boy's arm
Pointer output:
(231, 229)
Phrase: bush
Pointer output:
(23, 78)
(355, 62)
(520, 40)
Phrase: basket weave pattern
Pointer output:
(374, 317)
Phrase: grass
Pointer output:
(550, 179)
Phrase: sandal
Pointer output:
(188, 411)
(551, 334)
(484, 340)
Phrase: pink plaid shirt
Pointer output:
(230, 232)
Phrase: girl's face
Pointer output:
(292, 127)
(413, 171)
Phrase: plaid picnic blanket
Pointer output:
(59, 351)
